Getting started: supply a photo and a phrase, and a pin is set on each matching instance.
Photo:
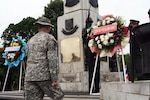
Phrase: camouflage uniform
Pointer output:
(42, 65)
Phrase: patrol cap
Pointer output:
(134, 21)
(44, 21)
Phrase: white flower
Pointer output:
(99, 46)
(106, 37)
(96, 38)
(108, 21)
(110, 34)
(99, 23)
(102, 37)
(94, 26)
(125, 41)
(112, 19)
(107, 18)
(105, 42)
(98, 41)
(112, 41)
(7, 42)
(104, 53)
(122, 21)
(103, 22)
(88, 30)
(91, 42)
(8, 57)
(11, 56)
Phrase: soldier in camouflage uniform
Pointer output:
(42, 64)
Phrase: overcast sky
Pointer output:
(128, 9)
(13, 11)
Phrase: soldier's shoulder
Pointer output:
(53, 38)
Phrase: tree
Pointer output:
(25, 28)
(53, 11)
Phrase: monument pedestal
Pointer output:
(106, 75)
(73, 76)
(74, 82)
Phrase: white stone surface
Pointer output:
(137, 97)
(125, 91)
(111, 76)
(145, 88)
(74, 87)
(131, 88)
(104, 66)
(84, 83)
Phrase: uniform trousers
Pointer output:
(35, 90)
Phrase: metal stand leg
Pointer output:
(94, 75)
(124, 67)
(20, 76)
(118, 66)
(6, 79)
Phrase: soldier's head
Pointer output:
(44, 24)
(133, 23)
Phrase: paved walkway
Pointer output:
(16, 95)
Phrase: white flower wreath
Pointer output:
(108, 35)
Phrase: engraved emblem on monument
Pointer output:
(70, 29)
(70, 3)
(94, 3)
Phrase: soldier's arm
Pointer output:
(53, 59)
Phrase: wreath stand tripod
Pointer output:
(124, 70)
(22, 65)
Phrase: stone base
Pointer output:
(111, 76)
(74, 83)
(139, 90)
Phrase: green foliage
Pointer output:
(25, 28)
(26, 25)
(127, 60)
(53, 11)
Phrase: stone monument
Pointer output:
(73, 76)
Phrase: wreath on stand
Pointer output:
(109, 35)
(15, 53)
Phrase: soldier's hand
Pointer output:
(55, 84)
